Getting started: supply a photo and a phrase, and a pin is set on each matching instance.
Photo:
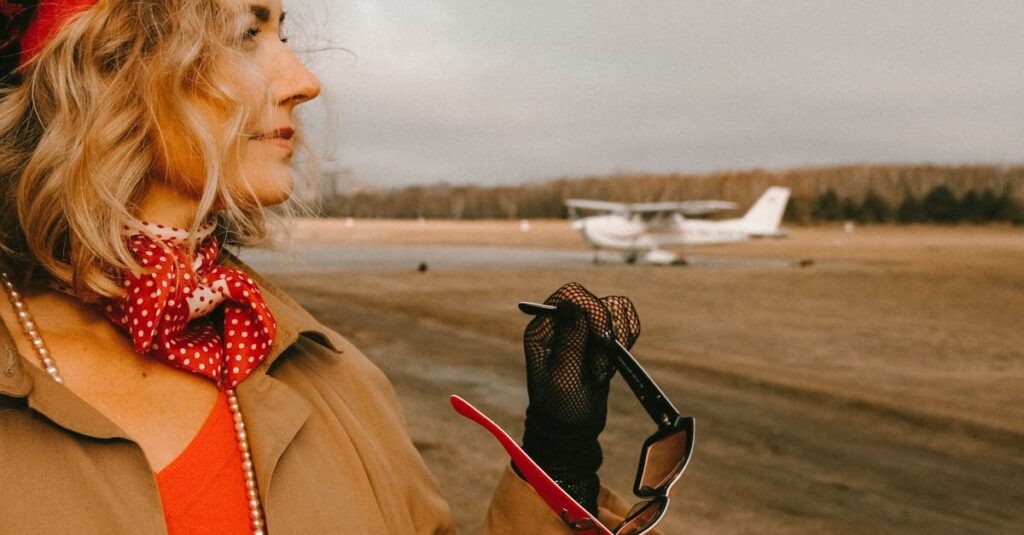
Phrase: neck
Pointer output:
(168, 206)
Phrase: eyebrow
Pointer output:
(262, 13)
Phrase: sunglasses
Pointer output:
(663, 456)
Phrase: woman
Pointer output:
(149, 381)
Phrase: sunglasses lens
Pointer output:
(642, 517)
(664, 461)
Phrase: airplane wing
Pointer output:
(680, 207)
(600, 206)
(684, 207)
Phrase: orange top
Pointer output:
(203, 489)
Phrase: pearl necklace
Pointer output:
(30, 329)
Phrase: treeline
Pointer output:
(859, 192)
(939, 205)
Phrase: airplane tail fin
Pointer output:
(764, 217)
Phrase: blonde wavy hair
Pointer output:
(79, 139)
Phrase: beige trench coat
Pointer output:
(330, 448)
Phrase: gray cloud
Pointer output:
(497, 92)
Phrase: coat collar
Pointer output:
(292, 319)
(19, 378)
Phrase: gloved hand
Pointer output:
(568, 373)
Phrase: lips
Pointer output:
(281, 137)
(285, 132)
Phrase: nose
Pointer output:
(295, 84)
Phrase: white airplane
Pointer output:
(624, 228)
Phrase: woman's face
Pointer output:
(266, 152)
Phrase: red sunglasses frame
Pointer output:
(557, 499)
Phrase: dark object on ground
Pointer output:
(422, 268)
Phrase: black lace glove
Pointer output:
(568, 374)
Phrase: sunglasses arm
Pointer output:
(651, 397)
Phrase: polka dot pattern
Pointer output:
(166, 309)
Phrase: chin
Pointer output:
(275, 199)
(277, 193)
(271, 185)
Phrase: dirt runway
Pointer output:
(877, 390)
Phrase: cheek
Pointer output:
(177, 163)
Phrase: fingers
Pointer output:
(612, 316)
(574, 293)
(565, 349)
(587, 307)
(624, 318)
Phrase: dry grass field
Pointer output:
(876, 390)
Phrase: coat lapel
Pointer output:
(19, 378)
(273, 414)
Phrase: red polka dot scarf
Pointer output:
(187, 312)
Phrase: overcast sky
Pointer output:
(472, 91)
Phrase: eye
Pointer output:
(251, 34)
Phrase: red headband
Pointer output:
(50, 16)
